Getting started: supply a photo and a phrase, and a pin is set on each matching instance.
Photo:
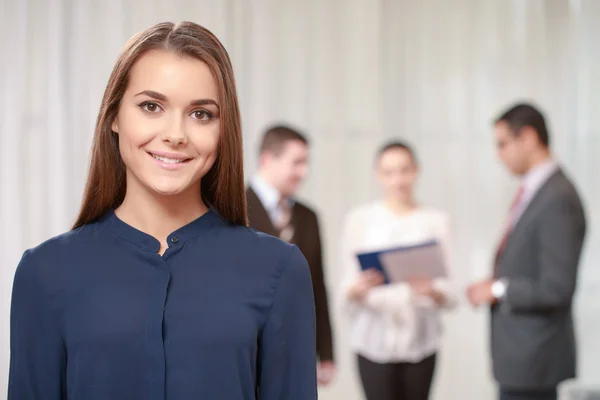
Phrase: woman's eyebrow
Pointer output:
(162, 97)
(153, 94)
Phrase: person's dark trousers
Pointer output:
(546, 394)
(397, 381)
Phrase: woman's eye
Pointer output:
(150, 107)
(202, 115)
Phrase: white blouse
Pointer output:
(392, 324)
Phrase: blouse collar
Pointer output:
(176, 238)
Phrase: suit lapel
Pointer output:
(531, 212)
(258, 215)
(260, 219)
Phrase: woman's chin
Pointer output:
(168, 190)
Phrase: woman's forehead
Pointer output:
(180, 79)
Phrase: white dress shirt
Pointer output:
(392, 323)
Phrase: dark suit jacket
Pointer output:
(307, 238)
(532, 334)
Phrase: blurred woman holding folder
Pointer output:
(394, 327)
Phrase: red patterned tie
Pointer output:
(509, 226)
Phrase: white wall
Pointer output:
(351, 73)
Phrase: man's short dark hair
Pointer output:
(275, 138)
(522, 115)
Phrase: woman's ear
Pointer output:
(115, 125)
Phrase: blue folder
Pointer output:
(372, 260)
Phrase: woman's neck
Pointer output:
(158, 215)
(400, 207)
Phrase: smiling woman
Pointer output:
(168, 135)
(160, 290)
(162, 75)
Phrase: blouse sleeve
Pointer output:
(287, 346)
(37, 351)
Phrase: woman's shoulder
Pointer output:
(60, 243)
(255, 243)
(264, 255)
(244, 236)
(42, 263)
(64, 245)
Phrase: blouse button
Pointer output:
(174, 239)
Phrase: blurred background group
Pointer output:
(350, 75)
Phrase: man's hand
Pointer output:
(367, 280)
(325, 372)
(481, 293)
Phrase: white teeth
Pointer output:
(168, 160)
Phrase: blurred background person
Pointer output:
(395, 328)
(536, 265)
(274, 209)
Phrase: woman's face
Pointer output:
(397, 173)
(168, 123)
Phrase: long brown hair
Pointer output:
(223, 186)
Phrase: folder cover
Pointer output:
(398, 263)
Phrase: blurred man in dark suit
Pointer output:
(531, 289)
(274, 209)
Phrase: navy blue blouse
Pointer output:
(225, 313)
